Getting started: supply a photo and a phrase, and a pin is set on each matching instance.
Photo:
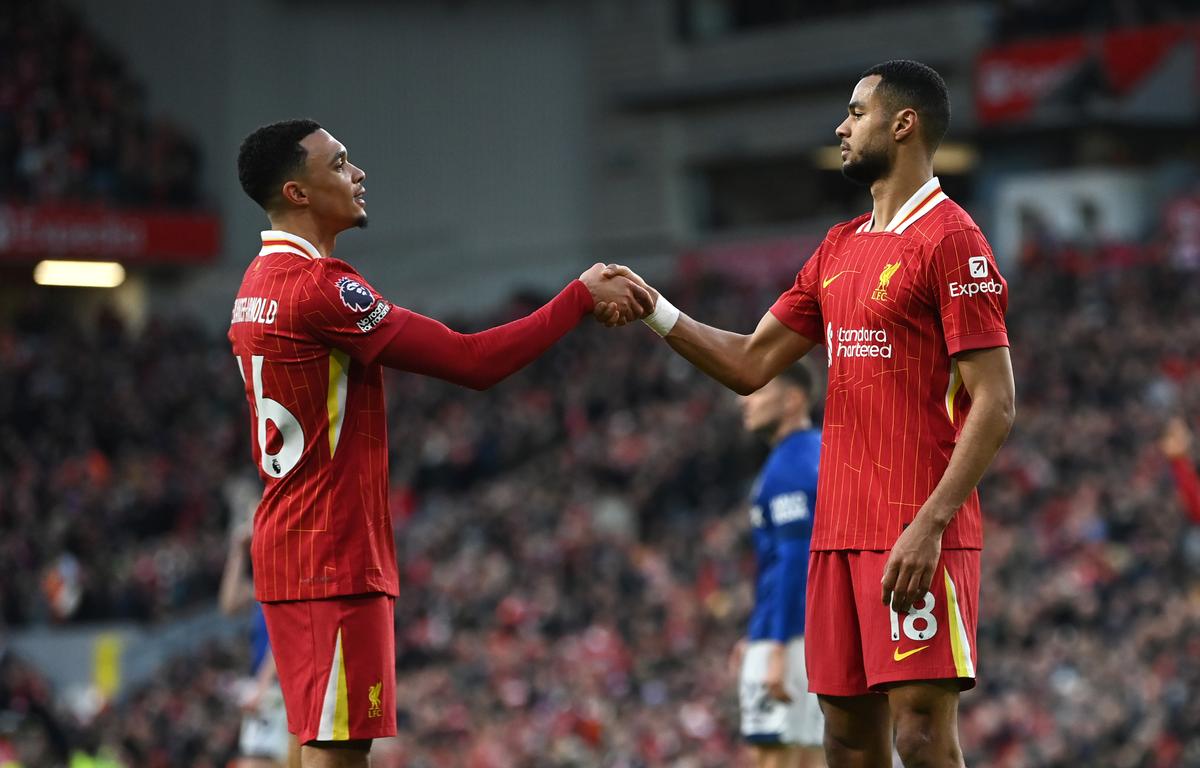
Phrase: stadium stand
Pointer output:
(73, 123)
(574, 572)
(572, 544)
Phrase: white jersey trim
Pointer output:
(306, 249)
(922, 202)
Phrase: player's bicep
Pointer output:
(988, 376)
(773, 347)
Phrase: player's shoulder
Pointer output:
(790, 454)
(946, 221)
(844, 228)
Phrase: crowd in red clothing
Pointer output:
(573, 543)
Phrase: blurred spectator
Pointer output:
(1176, 445)
(1047, 18)
(73, 122)
(572, 572)
(1181, 230)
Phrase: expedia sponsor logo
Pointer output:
(368, 323)
(974, 289)
(859, 342)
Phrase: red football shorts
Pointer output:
(336, 661)
(857, 645)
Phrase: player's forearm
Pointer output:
(984, 431)
(234, 591)
(481, 360)
(718, 353)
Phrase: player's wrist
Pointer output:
(934, 519)
(664, 316)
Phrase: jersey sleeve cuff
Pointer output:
(579, 293)
(806, 327)
(970, 341)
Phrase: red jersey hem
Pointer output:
(876, 683)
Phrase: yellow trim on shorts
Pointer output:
(959, 645)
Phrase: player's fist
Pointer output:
(618, 300)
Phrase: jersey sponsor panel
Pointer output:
(318, 433)
(893, 308)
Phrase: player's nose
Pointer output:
(359, 175)
(843, 130)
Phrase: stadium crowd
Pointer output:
(573, 543)
(74, 125)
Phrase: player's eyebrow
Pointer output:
(341, 155)
(856, 105)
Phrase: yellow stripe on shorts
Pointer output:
(960, 646)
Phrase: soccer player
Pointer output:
(780, 718)
(310, 337)
(910, 307)
(263, 741)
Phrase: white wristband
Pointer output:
(663, 318)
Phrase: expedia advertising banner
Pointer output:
(1146, 74)
(139, 237)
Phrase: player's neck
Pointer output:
(790, 426)
(302, 226)
(891, 192)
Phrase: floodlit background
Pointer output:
(574, 543)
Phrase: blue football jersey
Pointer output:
(781, 515)
(259, 644)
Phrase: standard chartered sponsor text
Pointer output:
(863, 342)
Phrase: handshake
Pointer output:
(621, 295)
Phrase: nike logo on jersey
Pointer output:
(897, 656)
(826, 283)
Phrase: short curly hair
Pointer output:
(269, 155)
(905, 83)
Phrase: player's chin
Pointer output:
(360, 220)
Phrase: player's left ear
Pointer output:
(905, 124)
(295, 194)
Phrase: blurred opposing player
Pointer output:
(310, 337)
(910, 307)
(780, 718)
(264, 741)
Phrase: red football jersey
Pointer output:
(892, 309)
(306, 331)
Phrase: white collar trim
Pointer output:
(286, 242)
(921, 203)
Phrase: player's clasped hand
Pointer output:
(606, 313)
(619, 300)
(908, 574)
